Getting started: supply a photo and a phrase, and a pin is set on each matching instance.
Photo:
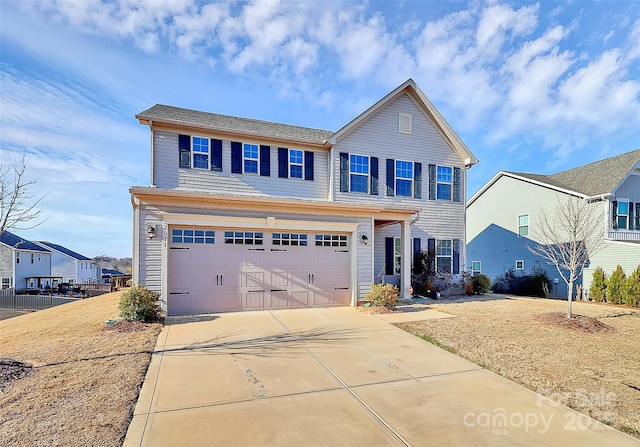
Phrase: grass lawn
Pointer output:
(596, 373)
(85, 382)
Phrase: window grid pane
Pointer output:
(184, 236)
(359, 173)
(243, 238)
(250, 158)
(200, 153)
(286, 239)
(330, 240)
(444, 182)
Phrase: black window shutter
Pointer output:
(631, 219)
(374, 176)
(216, 155)
(432, 182)
(456, 256)
(456, 185)
(417, 180)
(431, 255)
(388, 256)
(283, 162)
(236, 157)
(344, 172)
(184, 148)
(416, 252)
(308, 164)
(614, 213)
(391, 174)
(265, 161)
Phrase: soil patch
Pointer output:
(125, 326)
(11, 370)
(577, 322)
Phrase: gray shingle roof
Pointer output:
(232, 124)
(65, 250)
(11, 240)
(593, 179)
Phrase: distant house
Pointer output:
(72, 267)
(502, 217)
(107, 275)
(24, 264)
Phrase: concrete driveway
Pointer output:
(335, 377)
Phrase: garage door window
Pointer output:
(331, 240)
(183, 236)
(290, 239)
(243, 238)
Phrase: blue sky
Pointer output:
(533, 87)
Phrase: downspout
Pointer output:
(331, 196)
(151, 146)
(135, 262)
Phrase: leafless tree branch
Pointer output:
(567, 237)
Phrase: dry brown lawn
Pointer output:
(85, 381)
(594, 370)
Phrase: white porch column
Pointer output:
(405, 277)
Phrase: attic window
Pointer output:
(405, 124)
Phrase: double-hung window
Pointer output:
(444, 182)
(523, 225)
(200, 152)
(404, 178)
(296, 166)
(444, 255)
(476, 267)
(251, 158)
(623, 215)
(359, 173)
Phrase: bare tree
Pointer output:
(19, 202)
(567, 237)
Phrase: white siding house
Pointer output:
(23, 264)
(503, 216)
(244, 214)
(72, 267)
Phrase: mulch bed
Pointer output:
(127, 326)
(577, 322)
(11, 370)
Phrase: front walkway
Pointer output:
(335, 377)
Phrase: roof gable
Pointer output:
(64, 251)
(410, 88)
(16, 242)
(234, 125)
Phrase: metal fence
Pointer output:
(10, 300)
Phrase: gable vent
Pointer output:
(405, 123)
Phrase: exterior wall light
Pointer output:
(151, 231)
(364, 239)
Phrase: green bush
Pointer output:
(633, 289)
(383, 295)
(481, 283)
(598, 285)
(617, 286)
(139, 303)
(523, 285)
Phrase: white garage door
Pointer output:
(217, 270)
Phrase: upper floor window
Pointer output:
(17, 257)
(523, 225)
(444, 255)
(404, 178)
(251, 158)
(200, 153)
(445, 183)
(359, 173)
(33, 258)
(296, 164)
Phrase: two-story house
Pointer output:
(72, 267)
(503, 217)
(245, 214)
(23, 264)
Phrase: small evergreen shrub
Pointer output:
(617, 286)
(598, 285)
(383, 295)
(523, 285)
(140, 304)
(633, 289)
(481, 283)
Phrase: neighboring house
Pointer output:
(107, 275)
(72, 267)
(502, 217)
(244, 214)
(23, 264)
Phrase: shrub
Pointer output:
(524, 285)
(481, 283)
(633, 289)
(383, 295)
(617, 286)
(139, 303)
(598, 285)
